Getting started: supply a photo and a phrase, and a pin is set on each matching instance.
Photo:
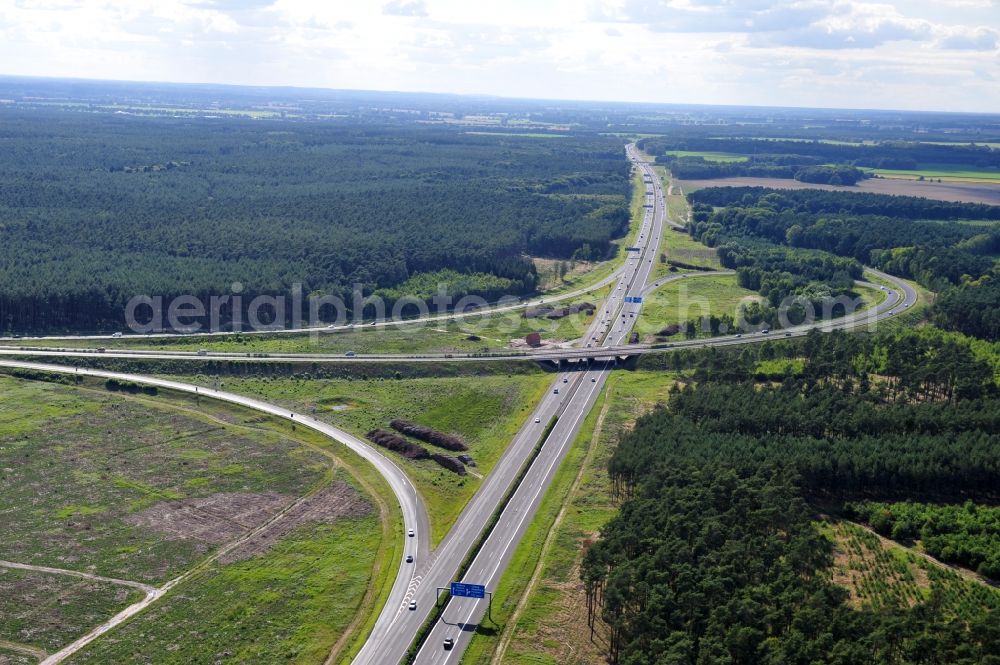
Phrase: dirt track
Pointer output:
(30, 651)
(939, 191)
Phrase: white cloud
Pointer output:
(965, 4)
(777, 52)
(714, 16)
(405, 8)
(854, 26)
(974, 39)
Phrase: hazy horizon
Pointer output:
(940, 55)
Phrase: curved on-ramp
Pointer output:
(410, 502)
(414, 514)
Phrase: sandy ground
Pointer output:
(939, 191)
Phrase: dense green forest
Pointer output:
(886, 154)
(964, 534)
(714, 556)
(96, 208)
(813, 160)
(854, 203)
(797, 167)
(753, 225)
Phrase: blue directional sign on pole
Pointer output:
(468, 590)
(635, 299)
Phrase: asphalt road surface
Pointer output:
(570, 398)
(577, 394)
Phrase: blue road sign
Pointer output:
(468, 590)
(635, 299)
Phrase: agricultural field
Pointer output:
(945, 172)
(955, 192)
(540, 615)
(486, 412)
(120, 494)
(722, 157)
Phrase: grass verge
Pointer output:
(486, 411)
(544, 625)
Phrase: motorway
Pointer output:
(579, 392)
(569, 400)
(397, 623)
(574, 395)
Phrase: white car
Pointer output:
(538, 420)
(413, 604)
(411, 533)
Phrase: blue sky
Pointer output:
(908, 54)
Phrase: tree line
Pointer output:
(965, 534)
(791, 167)
(713, 555)
(890, 233)
(885, 154)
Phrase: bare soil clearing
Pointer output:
(85, 488)
(214, 519)
(938, 191)
(332, 503)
